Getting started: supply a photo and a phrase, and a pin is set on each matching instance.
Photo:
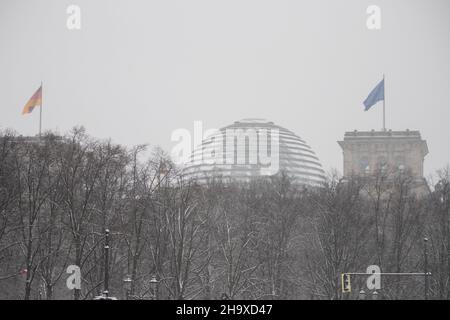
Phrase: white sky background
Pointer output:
(137, 70)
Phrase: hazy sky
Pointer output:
(137, 70)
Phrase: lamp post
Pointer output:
(362, 295)
(153, 286)
(105, 294)
(127, 281)
(375, 295)
(425, 257)
(106, 283)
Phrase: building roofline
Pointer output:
(382, 134)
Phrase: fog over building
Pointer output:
(254, 148)
(366, 152)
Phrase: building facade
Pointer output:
(367, 151)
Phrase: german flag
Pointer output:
(35, 100)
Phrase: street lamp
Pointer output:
(127, 281)
(105, 294)
(425, 256)
(362, 295)
(153, 286)
(375, 295)
(106, 253)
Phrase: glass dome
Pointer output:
(254, 148)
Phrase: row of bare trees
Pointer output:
(265, 239)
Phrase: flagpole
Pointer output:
(384, 104)
(40, 115)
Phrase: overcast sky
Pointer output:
(138, 70)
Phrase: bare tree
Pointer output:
(186, 235)
(438, 229)
(34, 165)
(339, 237)
(9, 216)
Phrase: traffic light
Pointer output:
(346, 285)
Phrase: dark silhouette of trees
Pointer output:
(268, 238)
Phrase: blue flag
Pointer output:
(376, 95)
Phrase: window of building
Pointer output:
(364, 165)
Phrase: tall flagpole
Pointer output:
(40, 114)
(384, 104)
